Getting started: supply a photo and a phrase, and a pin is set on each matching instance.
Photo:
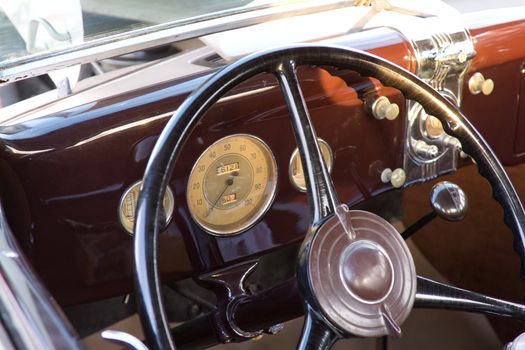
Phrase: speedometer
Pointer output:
(232, 184)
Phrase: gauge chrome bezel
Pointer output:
(296, 153)
(169, 210)
(257, 215)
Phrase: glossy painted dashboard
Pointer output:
(62, 175)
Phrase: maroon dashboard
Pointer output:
(63, 175)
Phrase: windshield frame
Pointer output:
(119, 44)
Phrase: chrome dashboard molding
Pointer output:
(443, 48)
(420, 167)
(171, 32)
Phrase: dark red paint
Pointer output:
(499, 117)
(63, 174)
(74, 167)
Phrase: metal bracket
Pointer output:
(33, 29)
(228, 285)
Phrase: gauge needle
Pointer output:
(228, 182)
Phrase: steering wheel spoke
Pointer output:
(316, 334)
(435, 295)
(322, 196)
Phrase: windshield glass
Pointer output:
(36, 26)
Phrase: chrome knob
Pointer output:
(517, 344)
(382, 108)
(449, 201)
(477, 83)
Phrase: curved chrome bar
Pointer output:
(33, 28)
(127, 339)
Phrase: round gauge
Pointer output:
(232, 184)
(296, 171)
(128, 204)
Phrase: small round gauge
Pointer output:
(232, 184)
(296, 171)
(128, 204)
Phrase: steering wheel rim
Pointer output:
(321, 194)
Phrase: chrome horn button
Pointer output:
(362, 277)
(366, 271)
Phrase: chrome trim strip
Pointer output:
(5, 341)
(119, 44)
(443, 48)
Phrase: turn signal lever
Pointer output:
(448, 201)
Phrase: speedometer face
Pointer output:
(232, 184)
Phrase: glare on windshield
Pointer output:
(36, 26)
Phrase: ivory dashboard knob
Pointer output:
(477, 83)
(396, 177)
(382, 108)
(487, 87)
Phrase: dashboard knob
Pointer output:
(382, 108)
(477, 83)
(449, 201)
(386, 175)
(487, 87)
(397, 177)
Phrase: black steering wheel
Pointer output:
(355, 273)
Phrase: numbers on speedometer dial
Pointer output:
(232, 184)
